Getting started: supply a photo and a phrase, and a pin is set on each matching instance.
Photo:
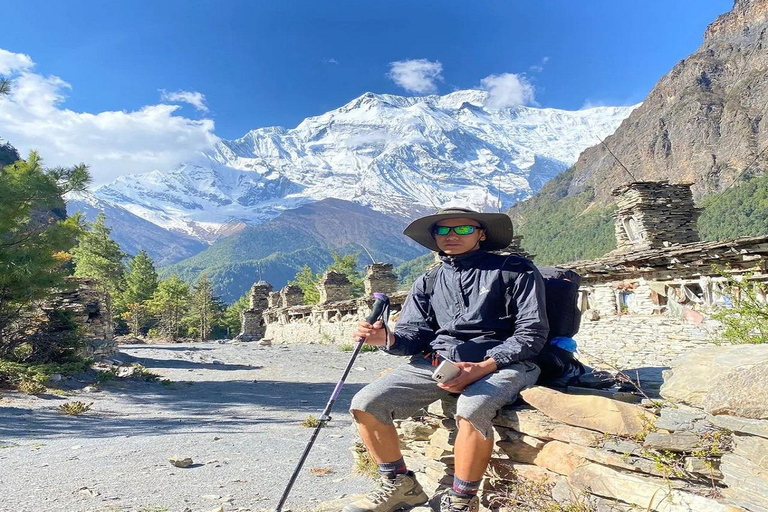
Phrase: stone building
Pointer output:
(649, 300)
(286, 319)
(252, 319)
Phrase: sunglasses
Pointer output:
(459, 230)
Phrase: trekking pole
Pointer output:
(380, 306)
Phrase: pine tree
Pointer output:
(140, 285)
(98, 256)
(170, 303)
(232, 319)
(307, 281)
(35, 235)
(204, 310)
(347, 265)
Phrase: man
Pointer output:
(491, 324)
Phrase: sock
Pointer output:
(392, 469)
(463, 488)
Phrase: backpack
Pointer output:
(561, 288)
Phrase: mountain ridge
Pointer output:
(388, 152)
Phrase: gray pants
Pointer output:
(409, 388)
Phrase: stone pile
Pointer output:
(252, 320)
(86, 308)
(381, 278)
(655, 214)
(334, 286)
(704, 448)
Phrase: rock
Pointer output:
(592, 412)
(560, 457)
(411, 430)
(265, 343)
(181, 463)
(682, 417)
(747, 482)
(746, 426)
(443, 439)
(674, 442)
(730, 380)
(125, 372)
(519, 451)
(535, 423)
(648, 493)
(746, 392)
(703, 467)
(445, 407)
(755, 449)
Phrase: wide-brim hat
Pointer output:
(497, 226)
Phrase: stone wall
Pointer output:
(331, 323)
(703, 449)
(633, 341)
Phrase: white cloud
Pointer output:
(11, 62)
(112, 143)
(507, 90)
(196, 99)
(538, 68)
(330, 61)
(419, 75)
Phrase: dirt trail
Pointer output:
(234, 409)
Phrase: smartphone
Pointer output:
(446, 371)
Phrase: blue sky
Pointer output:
(231, 66)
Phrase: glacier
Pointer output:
(393, 154)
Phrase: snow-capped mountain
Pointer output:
(134, 233)
(393, 154)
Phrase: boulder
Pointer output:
(592, 412)
(652, 494)
(747, 482)
(722, 380)
(535, 423)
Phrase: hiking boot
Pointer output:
(449, 502)
(402, 492)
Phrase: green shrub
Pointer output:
(349, 347)
(74, 408)
(12, 373)
(30, 387)
(746, 322)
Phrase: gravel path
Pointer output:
(233, 408)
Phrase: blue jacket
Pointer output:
(472, 315)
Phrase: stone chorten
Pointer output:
(291, 295)
(381, 278)
(334, 287)
(654, 215)
(253, 325)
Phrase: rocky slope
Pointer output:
(703, 122)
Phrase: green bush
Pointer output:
(746, 321)
(11, 374)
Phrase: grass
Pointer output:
(364, 461)
(31, 387)
(310, 422)
(12, 373)
(349, 347)
(75, 408)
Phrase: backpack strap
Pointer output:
(429, 288)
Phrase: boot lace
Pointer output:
(386, 488)
(453, 504)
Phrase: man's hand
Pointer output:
(373, 334)
(470, 372)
